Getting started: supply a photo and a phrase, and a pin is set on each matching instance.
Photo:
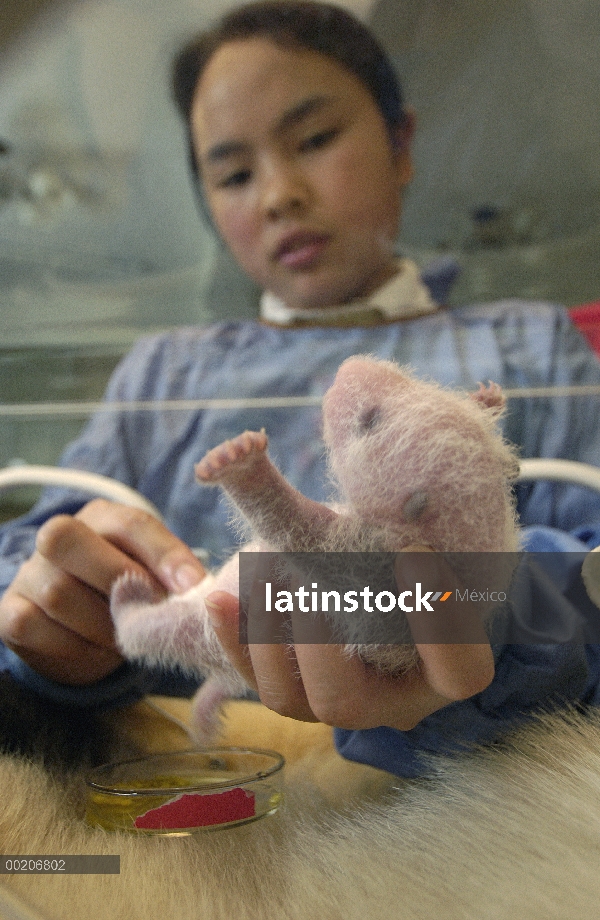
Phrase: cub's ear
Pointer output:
(490, 397)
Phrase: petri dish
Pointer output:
(183, 792)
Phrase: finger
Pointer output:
(142, 537)
(66, 600)
(50, 648)
(279, 681)
(271, 642)
(456, 656)
(223, 610)
(457, 671)
(270, 668)
(69, 545)
(343, 691)
(105, 539)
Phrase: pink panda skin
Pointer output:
(177, 632)
(425, 462)
(413, 464)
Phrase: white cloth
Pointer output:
(403, 297)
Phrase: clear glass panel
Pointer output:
(100, 238)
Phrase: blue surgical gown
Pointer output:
(517, 344)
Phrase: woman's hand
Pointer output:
(55, 614)
(320, 682)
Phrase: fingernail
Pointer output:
(215, 611)
(186, 577)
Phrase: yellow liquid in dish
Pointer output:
(119, 812)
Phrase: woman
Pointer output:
(300, 146)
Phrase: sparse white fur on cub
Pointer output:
(413, 464)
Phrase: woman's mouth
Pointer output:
(301, 250)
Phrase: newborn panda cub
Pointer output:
(413, 463)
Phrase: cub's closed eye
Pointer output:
(369, 419)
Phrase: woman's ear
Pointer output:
(402, 146)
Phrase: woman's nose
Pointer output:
(284, 190)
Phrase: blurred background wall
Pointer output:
(99, 232)
(100, 238)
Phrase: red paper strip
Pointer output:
(196, 810)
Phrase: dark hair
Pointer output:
(320, 27)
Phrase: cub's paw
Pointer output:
(131, 590)
(231, 456)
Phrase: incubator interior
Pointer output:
(100, 236)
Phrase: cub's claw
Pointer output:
(490, 397)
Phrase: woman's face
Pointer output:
(299, 170)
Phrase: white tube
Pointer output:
(12, 477)
(581, 474)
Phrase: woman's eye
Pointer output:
(235, 179)
(318, 140)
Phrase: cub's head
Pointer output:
(411, 455)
